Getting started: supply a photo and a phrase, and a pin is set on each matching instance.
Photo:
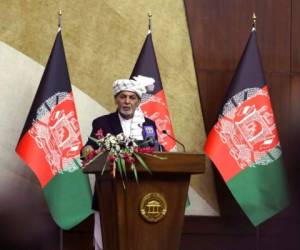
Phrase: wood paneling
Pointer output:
(212, 83)
(219, 31)
(80, 237)
(295, 106)
(295, 36)
(220, 242)
(293, 152)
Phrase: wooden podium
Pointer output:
(147, 215)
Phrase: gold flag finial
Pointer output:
(149, 21)
(59, 13)
(254, 21)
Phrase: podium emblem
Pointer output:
(153, 207)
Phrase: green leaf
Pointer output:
(104, 167)
(94, 139)
(123, 165)
(141, 161)
(77, 163)
(188, 202)
(119, 166)
(156, 156)
(133, 168)
(105, 164)
(97, 156)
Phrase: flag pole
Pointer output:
(149, 22)
(253, 22)
(59, 13)
(61, 234)
(257, 231)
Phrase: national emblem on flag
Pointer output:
(244, 143)
(50, 143)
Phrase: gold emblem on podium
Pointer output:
(153, 207)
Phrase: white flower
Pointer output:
(107, 145)
(118, 145)
(118, 148)
(120, 137)
(113, 140)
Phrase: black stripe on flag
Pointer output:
(146, 64)
(249, 72)
(55, 79)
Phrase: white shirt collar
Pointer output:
(131, 128)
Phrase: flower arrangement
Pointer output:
(122, 151)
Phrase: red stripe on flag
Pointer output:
(53, 141)
(243, 135)
(34, 157)
(156, 109)
(218, 153)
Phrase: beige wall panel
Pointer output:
(102, 41)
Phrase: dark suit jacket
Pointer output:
(110, 124)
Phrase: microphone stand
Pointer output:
(174, 139)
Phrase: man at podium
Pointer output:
(129, 120)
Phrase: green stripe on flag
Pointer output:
(261, 190)
(69, 198)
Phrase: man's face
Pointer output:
(127, 102)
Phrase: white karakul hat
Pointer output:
(139, 85)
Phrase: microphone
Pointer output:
(149, 141)
(174, 139)
(149, 133)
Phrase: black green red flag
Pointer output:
(154, 104)
(244, 143)
(50, 143)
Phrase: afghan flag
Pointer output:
(244, 143)
(154, 104)
(50, 143)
